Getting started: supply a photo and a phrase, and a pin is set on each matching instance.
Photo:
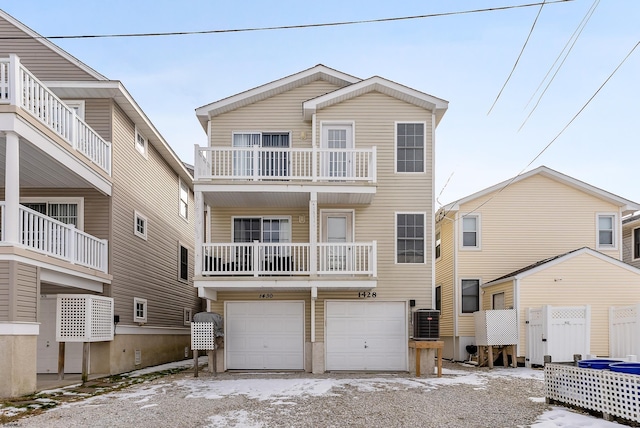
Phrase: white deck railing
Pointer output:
(272, 259)
(46, 235)
(21, 88)
(306, 164)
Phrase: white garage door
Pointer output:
(264, 335)
(366, 335)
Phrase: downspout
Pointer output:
(516, 304)
(433, 204)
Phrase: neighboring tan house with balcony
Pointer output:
(315, 209)
(631, 239)
(95, 205)
(541, 238)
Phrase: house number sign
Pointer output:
(367, 294)
(265, 296)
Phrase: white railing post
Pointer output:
(104, 262)
(199, 226)
(71, 243)
(74, 137)
(255, 154)
(314, 164)
(255, 257)
(373, 171)
(14, 80)
(374, 259)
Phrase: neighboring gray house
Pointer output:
(94, 203)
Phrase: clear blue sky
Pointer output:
(464, 59)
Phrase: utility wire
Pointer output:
(289, 27)
(585, 21)
(557, 136)
(517, 59)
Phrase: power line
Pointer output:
(579, 30)
(289, 27)
(517, 59)
(559, 133)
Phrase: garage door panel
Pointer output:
(264, 335)
(366, 336)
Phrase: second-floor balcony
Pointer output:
(45, 235)
(286, 164)
(289, 259)
(20, 88)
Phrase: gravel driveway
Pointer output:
(463, 397)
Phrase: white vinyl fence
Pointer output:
(558, 331)
(624, 331)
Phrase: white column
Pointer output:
(314, 297)
(199, 210)
(313, 233)
(12, 187)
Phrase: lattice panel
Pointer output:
(617, 394)
(496, 327)
(203, 336)
(624, 312)
(84, 318)
(568, 313)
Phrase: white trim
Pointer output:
(144, 150)
(136, 216)
(614, 231)
(144, 330)
(19, 328)
(145, 309)
(79, 201)
(56, 269)
(478, 245)
(67, 280)
(78, 106)
(424, 239)
(182, 184)
(424, 147)
(266, 187)
(264, 283)
(322, 225)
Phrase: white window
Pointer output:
(184, 200)
(65, 210)
(183, 263)
(470, 231)
(141, 143)
(270, 163)
(139, 310)
(470, 296)
(606, 231)
(77, 106)
(187, 314)
(410, 147)
(140, 225)
(410, 241)
(438, 244)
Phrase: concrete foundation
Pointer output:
(18, 365)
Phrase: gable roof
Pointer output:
(631, 220)
(552, 261)
(378, 84)
(627, 206)
(268, 90)
(48, 44)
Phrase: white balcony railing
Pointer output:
(48, 236)
(272, 259)
(21, 88)
(306, 164)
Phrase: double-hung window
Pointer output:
(183, 264)
(410, 242)
(606, 231)
(140, 227)
(438, 244)
(184, 200)
(470, 296)
(269, 163)
(471, 231)
(410, 147)
(141, 143)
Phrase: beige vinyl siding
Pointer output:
(375, 116)
(148, 269)
(487, 293)
(26, 292)
(528, 221)
(39, 59)
(97, 114)
(586, 280)
(444, 277)
(281, 113)
(5, 291)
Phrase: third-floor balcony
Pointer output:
(286, 164)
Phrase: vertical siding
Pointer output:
(445, 277)
(527, 222)
(39, 59)
(586, 280)
(5, 291)
(148, 269)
